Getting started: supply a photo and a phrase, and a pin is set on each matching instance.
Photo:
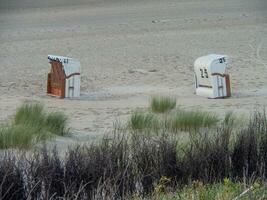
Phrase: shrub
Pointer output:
(162, 104)
(118, 167)
(12, 184)
(102, 170)
(250, 150)
(154, 157)
(110, 169)
(207, 157)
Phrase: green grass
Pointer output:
(143, 121)
(56, 123)
(31, 114)
(32, 124)
(176, 120)
(183, 120)
(16, 136)
(179, 120)
(162, 104)
(227, 190)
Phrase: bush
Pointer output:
(154, 157)
(32, 124)
(12, 183)
(207, 157)
(250, 151)
(162, 104)
(118, 167)
(102, 170)
(97, 171)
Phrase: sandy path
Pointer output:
(129, 51)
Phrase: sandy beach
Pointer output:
(130, 51)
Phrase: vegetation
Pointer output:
(219, 163)
(162, 104)
(225, 190)
(223, 162)
(183, 120)
(141, 121)
(174, 121)
(30, 125)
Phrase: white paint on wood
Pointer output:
(71, 66)
(210, 74)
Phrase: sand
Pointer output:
(129, 51)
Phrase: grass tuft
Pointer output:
(162, 104)
(142, 121)
(16, 136)
(190, 120)
(31, 114)
(213, 163)
(56, 123)
(31, 124)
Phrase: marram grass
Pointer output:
(175, 121)
(56, 123)
(223, 164)
(186, 120)
(162, 104)
(143, 121)
(32, 124)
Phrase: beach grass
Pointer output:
(219, 164)
(31, 123)
(142, 121)
(16, 136)
(174, 120)
(31, 114)
(161, 104)
(56, 123)
(188, 120)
